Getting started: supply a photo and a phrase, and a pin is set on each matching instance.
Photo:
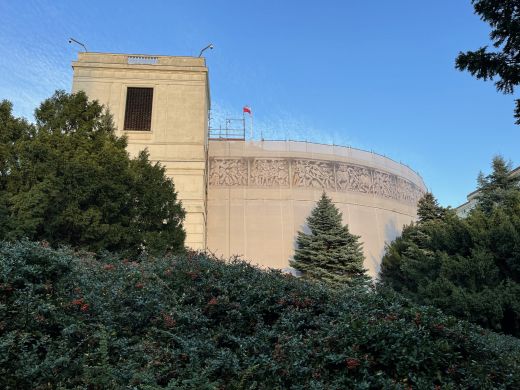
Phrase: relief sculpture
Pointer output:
(385, 184)
(354, 178)
(311, 173)
(269, 172)
(228, 172)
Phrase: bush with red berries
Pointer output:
(77, 320)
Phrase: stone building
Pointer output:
(244, 197)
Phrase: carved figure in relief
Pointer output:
(267, 172)
(354, 178)
(310, 173)
(385, 184)
(228, 172)
(403, 190)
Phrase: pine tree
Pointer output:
(470, 267)
(498, 188)
(501, 64)
(329, 252)
(428, 208)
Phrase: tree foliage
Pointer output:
(428, 208)
(467, 267)
(503, 63)
(69, 320)
(329, 252)
(499, 188)
(68, 178)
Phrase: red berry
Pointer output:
(352, 363)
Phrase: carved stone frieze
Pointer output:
(228, 172)
(344, 177)
(269, 172)
(385, 184)
(312, 173)
(354, 178)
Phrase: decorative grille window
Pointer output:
(138, 112)
(142, 60)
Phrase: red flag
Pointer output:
(247, 109)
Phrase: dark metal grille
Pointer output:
(138, 112)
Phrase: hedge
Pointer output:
(82, 320)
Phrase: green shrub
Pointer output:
(69, 320)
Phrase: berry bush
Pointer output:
(78, 320)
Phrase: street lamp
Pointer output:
(210, 46)
(78, 42)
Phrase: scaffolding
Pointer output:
(233, 129)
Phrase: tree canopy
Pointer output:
(503, 63)
(68, 179)
(329, 252)
(499, 188)
(428, 208)
(468, 267)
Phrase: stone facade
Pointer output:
(246, 198)
(261, 192)
(179, 125)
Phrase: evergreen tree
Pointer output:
(428, 208)
(68, 179)
(329, 252)
(503, 64)
(11, 130)
(467, 267)
(499, 187)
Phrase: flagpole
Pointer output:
(244, 122)
(251, 125)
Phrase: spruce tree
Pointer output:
(499, 188)
(329, 252)
(428, 208)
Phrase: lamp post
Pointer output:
(78, 42)
(210, 46)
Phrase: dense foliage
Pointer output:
(329, 252)
(428, 208)
(69, 179)
(468, 267)
(189, 322)
(503, 64)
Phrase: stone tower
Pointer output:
(160, 103)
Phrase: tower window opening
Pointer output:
(138, 111)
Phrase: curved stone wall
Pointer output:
(261, 192)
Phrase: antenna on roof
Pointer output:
(71, 40)
(210, 46)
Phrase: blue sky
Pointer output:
(377, 75)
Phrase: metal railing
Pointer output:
(234, 129)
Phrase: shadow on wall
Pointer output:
(290, 270)
(391, 233)
(304, 229)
